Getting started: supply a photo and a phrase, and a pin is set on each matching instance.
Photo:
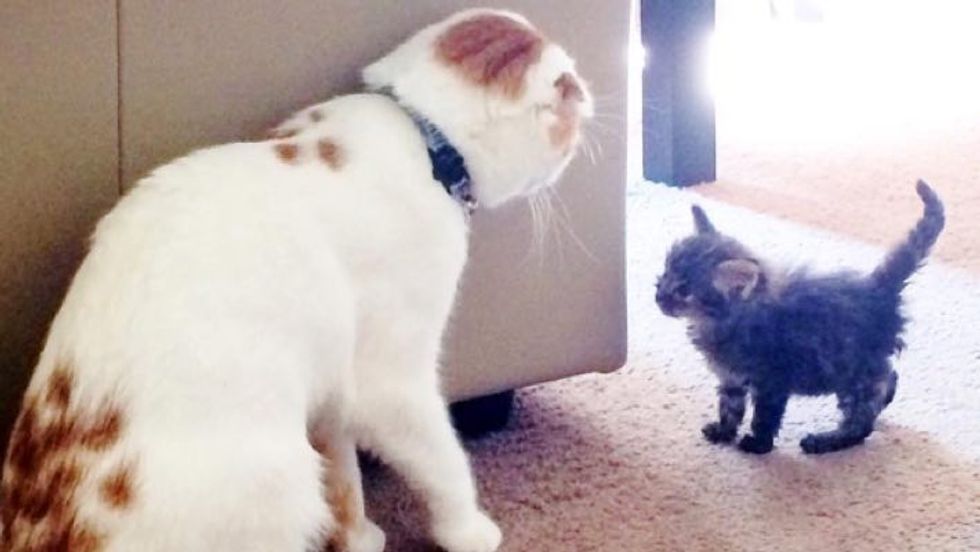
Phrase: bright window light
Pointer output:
(867, 67)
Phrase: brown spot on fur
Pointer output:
(104, 429)
(22, 452)
(287, 152)
(316, 115)
(493, 51)
(60, 386)
(330, 153)
(46, 461)
(116, 489)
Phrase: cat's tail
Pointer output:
(906, 258)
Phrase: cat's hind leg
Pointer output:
(353, 532)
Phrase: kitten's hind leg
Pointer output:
(887, 389)
(769, 407)
(731, 411)
(860, 409)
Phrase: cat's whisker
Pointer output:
(606, 116)
(605, 129)
(564, 218)
(533, 211)
(550, 195)
(587, 150)
(598, 146)
(535, 245)
(589, 145)
(612, 95)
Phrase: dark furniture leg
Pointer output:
(477, 417)
(678, 111)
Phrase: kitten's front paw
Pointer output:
(717, 433)
(368, 537)
(755, 445)
(476, 533)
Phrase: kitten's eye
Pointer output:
(683, 290)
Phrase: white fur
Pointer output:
(235, 305)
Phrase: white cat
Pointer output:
(251, 312)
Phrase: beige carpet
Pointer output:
(616, 462)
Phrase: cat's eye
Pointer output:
(683, 290)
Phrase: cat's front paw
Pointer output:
(755, 445)
(476, 533)
(715, 432)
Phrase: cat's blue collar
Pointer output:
(448, 165)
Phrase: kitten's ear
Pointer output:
(701, 222)
(739, 276)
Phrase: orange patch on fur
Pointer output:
(116, 489)
(493, 51)
(330, 153)
(45, 463)
(287, 152)
(340, 497)
(59, 388)
(104, 429)
(565, 130)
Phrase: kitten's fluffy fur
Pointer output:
(773, 334)
(249, 313)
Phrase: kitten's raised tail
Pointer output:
(905, 259)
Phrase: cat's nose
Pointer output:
(569, 88)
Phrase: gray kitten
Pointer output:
(777, 334)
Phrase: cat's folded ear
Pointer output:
(492, 50)
(701, 222)
(738, 277)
